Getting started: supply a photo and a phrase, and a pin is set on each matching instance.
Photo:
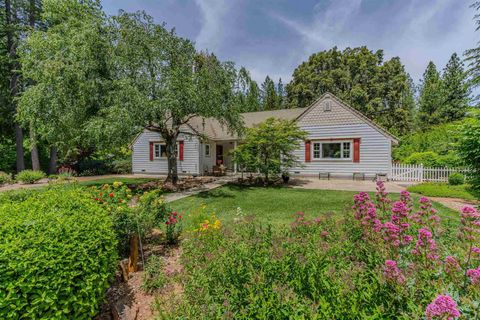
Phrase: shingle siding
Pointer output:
(141, 155)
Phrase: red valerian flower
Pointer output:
(111, 195)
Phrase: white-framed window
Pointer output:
(332, 150)
(207, 150)
(160, 150)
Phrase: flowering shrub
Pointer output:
(173, 227)
(393, 258)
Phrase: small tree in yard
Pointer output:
(269, 147)
(469, 146)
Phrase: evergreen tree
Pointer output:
(269, 95)
(455, 90)
(473, 55)
(247, 91)
(281, 94)
(431, 97)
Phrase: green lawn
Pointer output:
(102, 181)
(431, 189)
(275, 205)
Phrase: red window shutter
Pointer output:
(151, 151)
(307, 151)
(180, 150)
(356, 150)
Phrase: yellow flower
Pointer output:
(117, 184)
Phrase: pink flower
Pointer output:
(443, 307)
(474, 275)
(476, 250)
(425, 245)
(324, 234)
(392, 273)
(451, 264)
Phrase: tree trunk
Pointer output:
(10, 20)
(171, 144)
(33, 140)
(52, 166)
(34, 150)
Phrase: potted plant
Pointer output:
(285, 177)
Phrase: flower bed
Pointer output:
(383, 260)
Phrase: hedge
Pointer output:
(57, 255)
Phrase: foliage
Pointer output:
(68, 65)
(456, 90)
(160, 82)
(380, 90)
(431, 97)
(152, 204)
(57, 254)
(469, 146)
(432, 159)
(473, 55)
(7, 150)
(325, 268)
(269, 147)
(123, 166)
(456, 179)
(30, 176)
(5, 178)
(153, 276)
(173, 227)
(434, 189)
(440, 140)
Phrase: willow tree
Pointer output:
(160, 82)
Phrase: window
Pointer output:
(207, 150)
(332, 150)
(160, 150)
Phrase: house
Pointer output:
(341, 141)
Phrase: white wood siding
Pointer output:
(375, 150)
(141, 155)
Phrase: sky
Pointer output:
(272, 37)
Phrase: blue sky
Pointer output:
(274, 36)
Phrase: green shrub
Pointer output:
(5, 178)
(428, 159)
(154, 277)
(456, 179)
(30, 176)
(57, 255)
(122, 166)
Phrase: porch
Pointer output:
(216, 156)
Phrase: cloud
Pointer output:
(415, 30)
(212, 33)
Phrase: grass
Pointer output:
(102, 181)
(445, 190)
(275, 205)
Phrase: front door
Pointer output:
(219, 155)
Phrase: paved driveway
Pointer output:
(346, 184)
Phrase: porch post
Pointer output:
(234, 163)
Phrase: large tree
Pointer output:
(473, 55)
(68, 67)
(455, 89)
(160, 82)
(358, 77)
(247, 92)
(431, 97)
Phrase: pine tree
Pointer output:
(269, 95)
(473, 55)
(431, 97)
(455, 89)
(281, 94)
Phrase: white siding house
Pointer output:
(341, 141)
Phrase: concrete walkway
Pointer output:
(347, 185)
(169, 197)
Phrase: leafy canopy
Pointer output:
(269, 147)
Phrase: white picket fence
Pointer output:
(413, 172)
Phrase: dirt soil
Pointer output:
(128, 301)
